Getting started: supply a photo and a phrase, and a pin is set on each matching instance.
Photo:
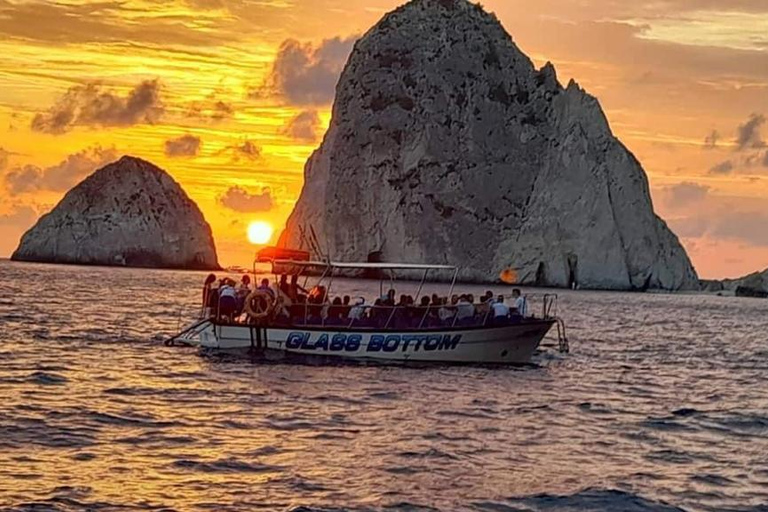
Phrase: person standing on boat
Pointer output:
(228, 300)
(500, 311)
(208, 287)
(465, 311)
(519, 303)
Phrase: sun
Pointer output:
(259, 232)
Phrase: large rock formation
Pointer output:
(448, 146)
(130, 213)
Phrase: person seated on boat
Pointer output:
(265, 287)
(446, 314)
(245, 285)
(388, 300)
(465, 311)
(519, 306)
(345, 307)
(299, 311)
(335, 311)
(378, 315)
(484, 308)
(500, 311)
(397, 314)
(357, 312)
(425, 315)
(228, 300)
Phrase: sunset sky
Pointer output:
(231, 97)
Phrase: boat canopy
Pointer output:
(363, 266)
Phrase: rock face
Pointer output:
(130, 213)
(448, 146)
(753, 285)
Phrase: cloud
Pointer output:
(304, 127)
(211, 108)
(20, 215)
(748, 134)
(306, 75)
(711, 140)
(62, 176)
(240, 200)
(92, 105)
(765, 159)
(722, 168)
(748, 227)
(4, 159)
(184, 146)
(686, 193)
(248, 150)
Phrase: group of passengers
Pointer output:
(297, 306)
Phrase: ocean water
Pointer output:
(661, 405)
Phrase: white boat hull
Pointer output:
(510, 344)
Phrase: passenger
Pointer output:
(519, 304)
(423, 317)
(245, 285)
(334, 312)
(465, 310)
(500, 311)
(346, 307)
(357, 313)
(264, 286)
(208, 287)
(399, 315)
(377, 314)
(228, 300)
(388, 299)
(484, 308)
(433, 317)
(446, 313)
(285, 287)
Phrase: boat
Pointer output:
(277, 329)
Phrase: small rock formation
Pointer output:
(753, 285)
(448, 146)
(130, 213)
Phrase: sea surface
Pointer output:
(662, 404)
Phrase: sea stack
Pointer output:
(129, 213)
(448, 146)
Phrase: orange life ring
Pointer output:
(254, 300)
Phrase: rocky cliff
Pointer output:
(448, 146)
(130, 213)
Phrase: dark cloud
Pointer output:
(240, 200)
(304, 127)
(307, 75)
(184, 146)
(765, 159)
(723, 168)
(92, 105)
(748, 134)
(686, 193)
(62, 176)
(711, 140)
